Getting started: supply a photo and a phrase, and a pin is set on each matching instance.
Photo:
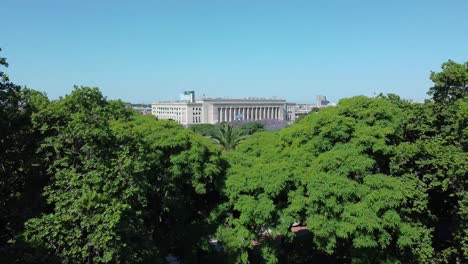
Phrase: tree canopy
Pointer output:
(135, 180)
(373, 180)
(331, 173)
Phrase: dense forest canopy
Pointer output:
(83, 179)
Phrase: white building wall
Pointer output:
(291, 112)
(225, 110)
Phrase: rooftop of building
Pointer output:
(227, 100)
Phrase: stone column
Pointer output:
(224, 114)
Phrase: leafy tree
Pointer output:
(203, 129)
(184, 172)
(243, 129)
(93, 195)
(451, 83)
(435, 152)
(4, 63)
(331, 172)
(250, 128)
(123, 185)
(226, 137)
(21, 174)
(373, 180)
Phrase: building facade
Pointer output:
(142, 108)
(213, 111)
(304, 109)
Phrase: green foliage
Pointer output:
(184, 172)
(203, 129)
(249, 128)
(435, 153)
(3, 62)
(21, 173)
(330, 171)
(243, 129)
(373, 180)
(451, 83)
(94, 194)
(227, 137)
(123, 185)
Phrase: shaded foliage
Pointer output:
(123, 185)
(21, 173)
(243, 129)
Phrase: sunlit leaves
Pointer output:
(331, 172)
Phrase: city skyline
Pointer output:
(293, 50)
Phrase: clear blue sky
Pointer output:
(144, 51)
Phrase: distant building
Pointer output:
(304, 109)
(142, 108)
(212, 111)
(188, 96)
(321, 101)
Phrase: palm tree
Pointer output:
(227, 137)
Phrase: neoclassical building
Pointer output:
(213, 111)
